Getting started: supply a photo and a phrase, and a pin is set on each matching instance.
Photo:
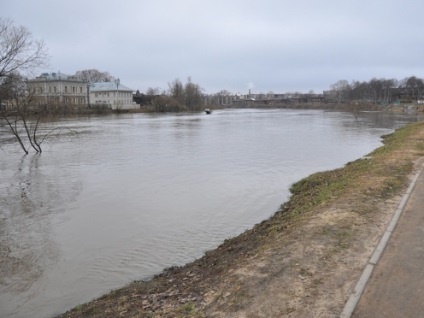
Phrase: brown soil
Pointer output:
(302, 262)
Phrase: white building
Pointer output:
(59, 88)
(113, 95)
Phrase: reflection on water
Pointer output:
(29, 197)
(129, 195)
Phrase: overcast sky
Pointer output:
(237, 45)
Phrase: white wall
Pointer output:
(114, 99)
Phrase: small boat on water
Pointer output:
(208, 111)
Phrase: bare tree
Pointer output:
(389, 86)
(224, 92)
(21, 99)
(93, 76)
(414, 87)
(20, 55)
(193, 95)
(376, 88)
(153, 91)
(340, 90)
(176, 90)
(221, 98)
(19, 52)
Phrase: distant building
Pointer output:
(59, 89)
(113, 95)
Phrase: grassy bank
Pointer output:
(302, 262)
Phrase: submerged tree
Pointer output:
(20, 55)
(23, 117)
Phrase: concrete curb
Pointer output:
(360, 286)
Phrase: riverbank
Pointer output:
(303, 261)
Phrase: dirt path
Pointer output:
(396, 287)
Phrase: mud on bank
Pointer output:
(302, 262)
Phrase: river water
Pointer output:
(118, 198)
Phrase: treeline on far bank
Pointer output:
(368, 94)
(179, 97)
(378, 91)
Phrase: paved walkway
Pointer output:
(395, 288)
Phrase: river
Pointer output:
(118, 198)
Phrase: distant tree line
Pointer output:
(377, 91)
(178, 97)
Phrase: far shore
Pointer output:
(70, 111)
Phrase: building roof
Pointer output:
(58, 77)
(108, 86)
